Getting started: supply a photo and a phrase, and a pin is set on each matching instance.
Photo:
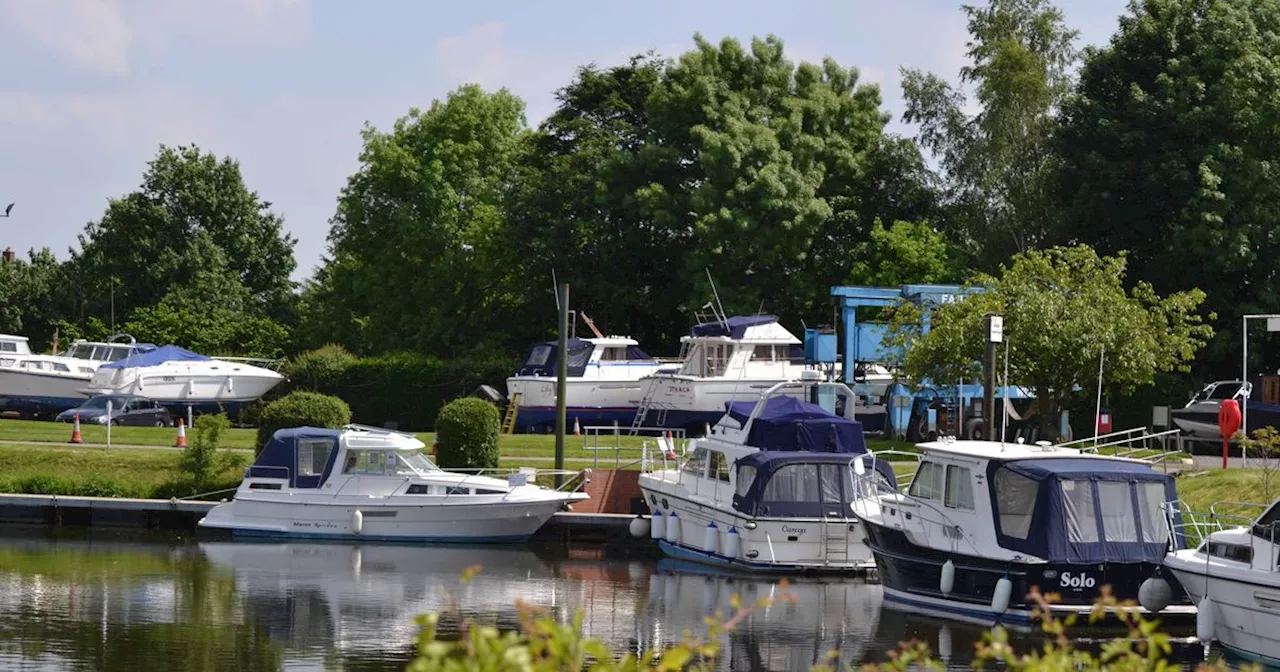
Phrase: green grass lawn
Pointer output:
(36, 431)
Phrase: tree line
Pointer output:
(729, 162)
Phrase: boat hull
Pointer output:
(1246, 612)
(693, 403)
(40, 393)
(504, 522)
(201, 392)
(912, 574)
(1200, 420)
(591, 401)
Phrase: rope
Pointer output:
(204, 494)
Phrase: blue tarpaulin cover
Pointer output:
(1085, 510)
(279, 459)
(168, 353)
(786, 423)
(733, 327)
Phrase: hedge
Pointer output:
(301, 409)
(467, 434)
(405, 390)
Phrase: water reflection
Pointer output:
(164, 603)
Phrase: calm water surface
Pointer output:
(128, 602)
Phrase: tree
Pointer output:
(1169, 150)
(32, 297)
(416, 228)
(143, 238)
(1063, 308)
(998, 164)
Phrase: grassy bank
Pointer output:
(99, 472)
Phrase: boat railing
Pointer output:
(868, 487)
(904, 481)
(597, 439)
(1128, 442)
(1196, 526)
(529, 475)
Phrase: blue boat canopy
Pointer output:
(733, 327)
(786, 423)
(1082, 510)
(304, 455)
(168, 353)
(543, 358)
(800, 484)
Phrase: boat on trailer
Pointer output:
(769, 489)
(984, 523)
(366, 483)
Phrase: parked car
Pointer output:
(126, 410)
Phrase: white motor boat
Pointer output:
(1232, 576)
(366, 483)
(984, 523)
(44, 385)
(179, 378)
(602, 382)
(769, 489)
(729, 359)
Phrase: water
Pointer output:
(133, 602)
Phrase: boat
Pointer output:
(768, 489)
(36, 385)
(602, 382)
(178, 378)
(385, 489)
(727, 359)
(1199, 418)
(984, 523)
(1231, 576)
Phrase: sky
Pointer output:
(89, 89)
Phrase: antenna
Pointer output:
(715, 294)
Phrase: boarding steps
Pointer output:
(836, 542)
(643, 409)
(509, 418)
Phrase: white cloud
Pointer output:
(144, 116)
(89, 33)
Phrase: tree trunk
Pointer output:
(1047, 409)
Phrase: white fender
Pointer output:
(357, 521)
(639, 527)
(711, 538)
(657, 526)
(948, 580)
(1000, 598)
(673, 528)
(733, 544)
(1204, 620)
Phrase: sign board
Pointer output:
(1273, 324)
(997, 329)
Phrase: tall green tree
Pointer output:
(415, 233)
(1064, 308)
(998, 163)
(1171, 150)
(32, 297)
(142, 239)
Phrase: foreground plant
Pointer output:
(544, 645)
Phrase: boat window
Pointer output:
(407, 463)
(696, 465)
(367, 462)
(1015, 502)
(457, 490)
(8, 346)
(7, 361)
(118, 354)
(1224, 391)
(718, 359)
(59, 366)
(614, 354)
(793, 483)
(1082, 521)
(719, 466)
(927, 483)
(578, 357)
(81, 352)
(481, 491)
(762, 353)
(746, 476)
(539, 355)
(959, 488)
(418, 489)
(1236, 552)
(1115, 501)
(830, 483)
(313, 454)
(1151, 499)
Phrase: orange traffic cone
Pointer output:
(182, 435)
(577, 431)
(75, 431)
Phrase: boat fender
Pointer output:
(1204, 620)
(1000, 598)
(658, 526)
(948, 580)
(1155, 594)
(711, 538)
(357, 522)
(673, 528)
(639, 527)
(732, 544)
(944, 642)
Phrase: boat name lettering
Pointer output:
(317, 524)
(680, 389)
(787, 529)
(1078, 581)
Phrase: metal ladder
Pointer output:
(642, 410)
(513, 409)
(835, 543)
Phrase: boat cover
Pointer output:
(1083, 510)
(168, 353)
(542, 358)
(733, 327)
(280, 456)
(800, 484)
(786, 423)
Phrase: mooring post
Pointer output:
(562, 375)
(995, 334)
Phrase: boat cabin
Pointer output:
(728, 347)
(584, 353)
(1058, 504)
(306, 457)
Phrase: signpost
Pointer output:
(995, 334)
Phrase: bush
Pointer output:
(467, 434)
(200, 459)
(319, 370)
(301, 408)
